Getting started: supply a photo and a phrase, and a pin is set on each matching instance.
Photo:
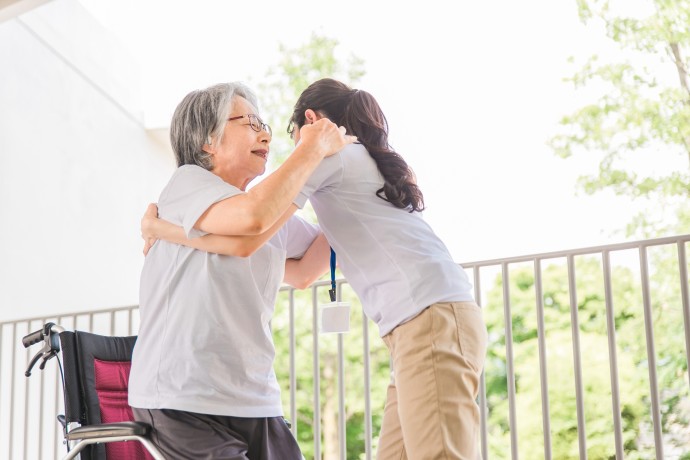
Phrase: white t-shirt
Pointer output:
(392, 258)
(204, 341)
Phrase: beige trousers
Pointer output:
(431, 410)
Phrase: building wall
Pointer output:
(77, 166)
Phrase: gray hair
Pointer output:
(200, 119)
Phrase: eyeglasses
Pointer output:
(255, 122)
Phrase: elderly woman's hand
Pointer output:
(325, 135)
(148, 227)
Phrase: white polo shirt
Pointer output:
(392, 258)
(204, 341)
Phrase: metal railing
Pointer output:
(28, 407)
(604, 253)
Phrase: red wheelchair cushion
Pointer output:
(112, 378)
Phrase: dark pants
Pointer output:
(188, 435)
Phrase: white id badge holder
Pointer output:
(335, 316)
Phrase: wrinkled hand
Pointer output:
(147, 227)
(325, 135)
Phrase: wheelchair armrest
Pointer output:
(109, 430)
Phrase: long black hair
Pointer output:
(362, 116)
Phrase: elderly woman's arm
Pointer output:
(154, 228)
(256, 211)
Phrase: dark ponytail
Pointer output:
(361, 115)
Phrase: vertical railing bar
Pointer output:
(368, 435)
(2, 330)
(75, 317)
(651, 354)
(112, 323)
(341, 388)
(26, 396)
(293, 372)
(577, 360)
(683, 264)
(130, 322)
(543, 370)
(90, 322)
(317, 375)
(57, 432)
(613, 355)
(509, 362)
(40, 417)
(342, 439)
(58, 388)
(483, 415)
(12, 382)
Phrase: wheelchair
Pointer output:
(94, 381)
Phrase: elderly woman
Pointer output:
(202, 371)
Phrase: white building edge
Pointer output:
(77, 164)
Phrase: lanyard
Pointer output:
(331, 292)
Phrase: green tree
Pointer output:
(641, 119)
(639, 129)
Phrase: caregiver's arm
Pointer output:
(301, 273)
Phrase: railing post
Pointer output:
(683, 264)
(483, 412)
(12, 381)
(509, 362)
(293, 373)
(342, 438)
(368, 430)
(613, 355)
(317, 375)
(577, 358)
(543, 374)
(651, 354)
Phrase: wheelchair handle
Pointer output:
(51, 344)
(33, 338)
(40, 335)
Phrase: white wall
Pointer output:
(77, 166)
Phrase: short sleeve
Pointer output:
(328, 174)
(300, 235)
(190, 192)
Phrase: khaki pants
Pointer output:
(431, 410)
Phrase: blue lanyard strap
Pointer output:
(331, 292)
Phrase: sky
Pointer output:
(472, 92)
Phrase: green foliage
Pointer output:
(631, 355)
(642, 114)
